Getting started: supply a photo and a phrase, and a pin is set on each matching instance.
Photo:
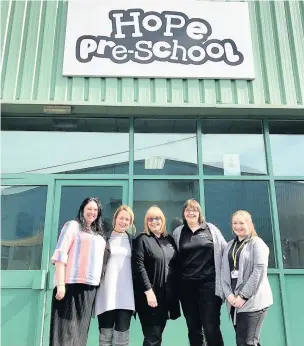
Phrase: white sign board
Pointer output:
(232, 164)
(133, 38)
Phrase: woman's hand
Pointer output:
(231, 299)
(151, 298)
(239, 302)
(60, 292)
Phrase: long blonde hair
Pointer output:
(160, 214)
(249, 221)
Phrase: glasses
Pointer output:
(191, 210)
(156, 218)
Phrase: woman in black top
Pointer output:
(155, 275)
(200, 246)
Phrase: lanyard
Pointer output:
(234, 253)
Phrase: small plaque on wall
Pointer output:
(232, 164)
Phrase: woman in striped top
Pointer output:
(78, 257)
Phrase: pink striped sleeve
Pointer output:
(65, 241)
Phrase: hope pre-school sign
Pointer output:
(141, 38)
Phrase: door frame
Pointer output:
(33, 279)
(58, 184)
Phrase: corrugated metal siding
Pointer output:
(32, 42)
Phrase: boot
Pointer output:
(105, 336)
(121, 338)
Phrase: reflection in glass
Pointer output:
(72, 197)
(22, 226)
(233, 147)
(165, 147)
(290, 202)
(169, 195)
(82, 146)
(287, 147)
(223, 198)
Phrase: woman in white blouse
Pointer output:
(114, 304)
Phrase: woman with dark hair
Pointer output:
(114, 304)
(244, 280)
(79, 259)
(201, 246)
(155, 268)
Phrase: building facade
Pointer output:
(231, 144)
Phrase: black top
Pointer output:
(155, 265)
(197, 254)
(237, 244)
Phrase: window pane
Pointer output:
(223, 198)
(22, 225)
(287, 147)
(169, 195)
(72, 197)
(82, 146)
(233, 147)
(290, 202)
(165, 147)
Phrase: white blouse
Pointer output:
(116, 288)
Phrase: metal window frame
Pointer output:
(50, 181)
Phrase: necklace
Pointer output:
(118, 231)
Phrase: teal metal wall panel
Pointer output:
(19, 317)
(294, 288)
(32, 42)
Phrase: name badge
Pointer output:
(234, 274)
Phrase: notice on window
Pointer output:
(232, 164)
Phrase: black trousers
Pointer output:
(118, 319)
(153, 333)
(202, 310)
(248, 327)
(71, 316)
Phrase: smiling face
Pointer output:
(241, 226)
(155, 221)
(191, 215)
(90, 212)
(123, 221)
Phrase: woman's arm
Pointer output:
(60, 279)
(60, 256)
(65, 241)
(226, 287)
(260, 264)
(139, 271)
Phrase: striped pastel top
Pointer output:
(81, 252)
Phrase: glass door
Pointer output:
(69, 194)
(25, 228)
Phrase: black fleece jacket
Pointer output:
(154, 265)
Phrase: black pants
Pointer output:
(248, 327)
(153, 333)
(202, 310)
(118, 319)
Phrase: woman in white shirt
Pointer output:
(114, 304)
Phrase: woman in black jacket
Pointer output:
(155, 277)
